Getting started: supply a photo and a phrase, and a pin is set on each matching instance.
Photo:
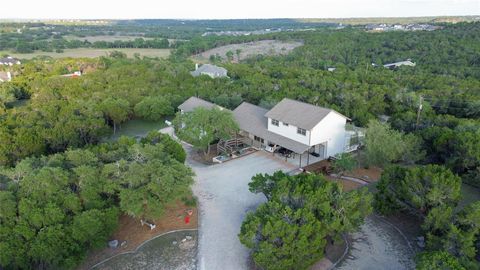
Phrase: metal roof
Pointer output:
(213, 70)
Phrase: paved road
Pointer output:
(224, 199)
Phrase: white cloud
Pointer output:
(214, 9)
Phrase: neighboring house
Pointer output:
(194, 102)
(210, 70)
(408, 62)
(73, 75)
(331, 69)
(5, 76)
(9, 61)
(304, 129)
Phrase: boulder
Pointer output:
(113, 244)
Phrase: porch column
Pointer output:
(300, 161)
(308, 156)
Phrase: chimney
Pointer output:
(196, 66)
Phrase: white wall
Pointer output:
(331, 130)
(289, 131)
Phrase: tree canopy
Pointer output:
(303, 212)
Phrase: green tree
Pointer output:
(437, 260)
(153, 108)
(384, 145)
(291, 229)
(201, 127)
(343, 163)
(418, 189)
(115, 110)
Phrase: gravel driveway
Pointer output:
(224, 199)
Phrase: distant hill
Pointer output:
(393, 20)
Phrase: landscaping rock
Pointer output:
(113, 244)
(174, 242)
(124, 243)
(188, 237)
(184, 240)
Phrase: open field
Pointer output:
(107, 38)
(91, 53)
(249, 49)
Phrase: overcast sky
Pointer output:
(232, 9)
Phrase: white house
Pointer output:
(395, 65)
(308, 131)
(209, 70)
(9, 61)
(296, 126)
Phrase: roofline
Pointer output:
(331, 110)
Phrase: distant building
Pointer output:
(210, 70)
(331, 69)
(73, 75)
(9, 61)
(395, 65)
(5, 76)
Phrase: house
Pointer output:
(5, 76)
(209, 70)
(9, 61)
(73, 75)
(395, 65)
(331, 69)
(300, 127)
(307, 131)
(194, 102)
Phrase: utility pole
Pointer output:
(420, 107)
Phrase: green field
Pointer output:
(91, 53)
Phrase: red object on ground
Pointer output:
(187, 219)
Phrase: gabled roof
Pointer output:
(210, 69)
(9, 60)
(298, 113)
(251, 119)
(401, 63)
(194, 102)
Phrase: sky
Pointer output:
(229, 9)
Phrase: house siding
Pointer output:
(331, 130)
(289, 131)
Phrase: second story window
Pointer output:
(275, 122)
(302, 131)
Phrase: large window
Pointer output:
(302, 131)
(275, 122)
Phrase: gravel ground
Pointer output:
(170, 251)
(224, 199)
(378, 245)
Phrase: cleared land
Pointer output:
(249, 49)
(91, 53)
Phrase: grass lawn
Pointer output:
(91, 53)
(470, 194)
(138, 128)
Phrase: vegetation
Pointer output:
(54, 208)
(303, 213)
(202, 127)
(433, 192)
(51, 205)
